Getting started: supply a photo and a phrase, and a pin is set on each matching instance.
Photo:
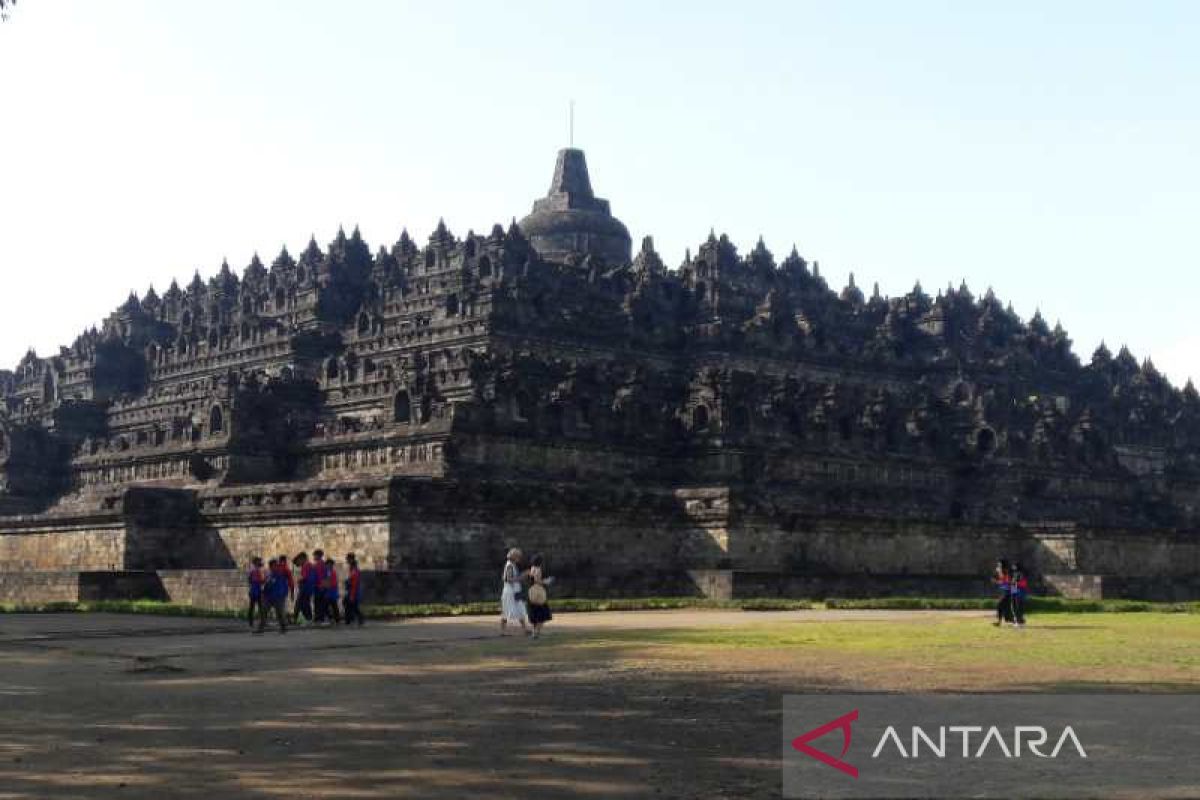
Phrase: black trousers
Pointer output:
(304, 606)
(320, 606)
(1018, 609)
(279, 607)
(256, 603)
(331, 608)
(1004, 609)
(353, 611)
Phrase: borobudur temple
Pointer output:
(732, 427)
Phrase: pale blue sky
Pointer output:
(1050, 150)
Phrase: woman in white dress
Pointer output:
(512, 606)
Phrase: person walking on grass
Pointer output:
(320, 615)
(1018, 591)
(304, 592)
(512, 603)
(256, 579)
(539, 601)
(329, 585)
(353, 591)
(275, 594)
(1000, 577)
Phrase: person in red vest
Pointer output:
(304, 595)
(1001, 578)
(1019, 589)
(275, 593)
(285, 569)
(256, 579)
(353, 591)
(320, 609)
(329, 590)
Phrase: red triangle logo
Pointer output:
(800, 743)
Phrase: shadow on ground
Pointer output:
(329, 715)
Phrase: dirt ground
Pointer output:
(140, 706)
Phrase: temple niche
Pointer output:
(542, 382)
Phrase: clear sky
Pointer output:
(1049, 150)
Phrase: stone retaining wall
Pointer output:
(440, 540)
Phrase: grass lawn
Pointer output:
(1145, 651)
(662, 704)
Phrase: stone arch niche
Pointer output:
(216, 421)
(700, 417)
(985, 441)
(523, 406)
(402, 407)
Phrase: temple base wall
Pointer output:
(444, 541)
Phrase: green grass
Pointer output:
(1136, 650)
(1036, 605)
(153, 607)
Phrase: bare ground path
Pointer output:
(137, 706)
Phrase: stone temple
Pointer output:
(732, 426)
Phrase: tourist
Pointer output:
(1000, 577)
(512, 604)
(1019, 590)
(304, 596)
(329, 585)
(539, 601)
(285, 569)
(256, 579)
(276, 593)
(318, 582)
(353, 591)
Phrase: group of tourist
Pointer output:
(1013, 585)
(311, 585)
(523, 598)
(315, 594)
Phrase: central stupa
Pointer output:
(571, 222)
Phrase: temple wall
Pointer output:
(96, 545)
(366, 538)
(28, 586)
(866, 546)
(444, 541)
(1140, 554)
